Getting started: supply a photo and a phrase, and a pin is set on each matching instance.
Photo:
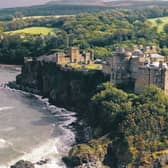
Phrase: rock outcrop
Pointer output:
(64, 87)
(23, 164)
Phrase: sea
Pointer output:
(30, 127)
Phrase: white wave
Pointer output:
(6, 108)
(56, 148)
(4, 143)
(52, 151)
(7, 129)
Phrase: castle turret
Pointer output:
(74, 54)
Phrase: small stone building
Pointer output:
(74, 56)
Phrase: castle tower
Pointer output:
(74, 54)
(165, 83)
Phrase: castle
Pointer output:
(72, 56)
(142, 66)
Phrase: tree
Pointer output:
(159, 21)
(165, 28)
(113, 105)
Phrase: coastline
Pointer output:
(75, 126)
(49, 154)
(70, 89)
(55, 148)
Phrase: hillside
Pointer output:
(112, 3)
(34, 31)
(136, 4)
(49, 9)
(78, 2)
(159, 22)
(63, 7)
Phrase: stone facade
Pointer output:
(144, 66)
(74, 56)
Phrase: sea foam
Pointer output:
(6, 108)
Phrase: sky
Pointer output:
(14, 3)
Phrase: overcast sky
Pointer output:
(14, 3)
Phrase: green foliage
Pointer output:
(93, 150)
(46, 10)
(34, 31)
(138, 123)
(112, 104)
(164, 51)
(159, 22)
(101, 52)
(102, 31)
(166, 28)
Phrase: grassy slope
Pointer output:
(34, 30)
(45, 17)
(89, 67)
(161, 25)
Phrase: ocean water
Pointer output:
(31, 128)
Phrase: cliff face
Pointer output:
(64, 87)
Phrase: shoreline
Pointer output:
(66, 88)
(10, 66)
(52, 146)
(77, 126)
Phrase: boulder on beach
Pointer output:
(23, 164)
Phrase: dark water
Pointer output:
(30, 128)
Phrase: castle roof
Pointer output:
(137, 53)
(156, 65)
(156, 56)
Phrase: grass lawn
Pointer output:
(88, 67)
(94, 66)
(34, 31)
(160, 26)
(44, 17)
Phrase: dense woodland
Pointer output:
(48, 9)
(102, 31)
(137, 123)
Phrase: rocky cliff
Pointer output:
(64, 87)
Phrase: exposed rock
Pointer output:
(88, 155)
(23, 164)
(91, 165)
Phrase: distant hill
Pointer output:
(79, 2)
(113, 3)
(136, 3)
(51, 8)
(72, 7)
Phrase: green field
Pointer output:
(87, 67)
(44, 17)
(164, 20)
(34, 31)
